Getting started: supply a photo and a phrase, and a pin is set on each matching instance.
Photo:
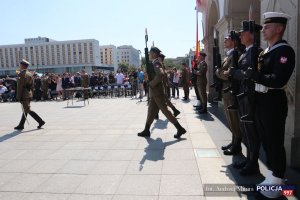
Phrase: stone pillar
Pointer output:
(295, 141)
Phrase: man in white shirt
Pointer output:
(3, 89)
(119, 77)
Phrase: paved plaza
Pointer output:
(92, 152)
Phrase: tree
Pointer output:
(124, 67)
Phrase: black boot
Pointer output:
(203, 111)
(175, 112)
(180, 130)
(225, 147)
(233, 150)
(250, 168)
(156, 116)
(145, 132)
(240, 163)
(21, 124)
(37, 118)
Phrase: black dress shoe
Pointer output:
(202, 111)
(179, 133)
(250, 168)
(176, 112)
(240, 163)
(235, 149)
(144, 133)
(224, 147)
(198, 108)
(41, 124)
(19, 128)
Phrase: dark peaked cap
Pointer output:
(246, 27)
(155, 50)
(161, 56)
(203, 54)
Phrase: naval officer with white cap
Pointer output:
(275, 67)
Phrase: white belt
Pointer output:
(264, 89)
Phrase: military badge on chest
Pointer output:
(283, 60)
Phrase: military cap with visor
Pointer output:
(24, 62)
(245, 26)
(276, 17)
(155, 50)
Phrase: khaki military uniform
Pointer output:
(202, 82)
(25, 89)
(157, 96)
(85, 80)
(185, 78)
(232, 117)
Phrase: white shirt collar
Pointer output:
(229, 51)
(247, 48)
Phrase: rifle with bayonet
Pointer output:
(217, 65)
(149, 65)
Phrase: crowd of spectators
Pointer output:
(51, 86)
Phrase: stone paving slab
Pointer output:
(92, 152)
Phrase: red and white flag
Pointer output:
(198, 2)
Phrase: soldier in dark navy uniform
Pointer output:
(248, 166)
(25, 84)
(157, 99)
(276, 65)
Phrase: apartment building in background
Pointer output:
(128, 54)
(108, 56)
(47, 55)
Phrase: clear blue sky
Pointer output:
(170, 23)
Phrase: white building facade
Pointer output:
(128, 54)
(48, 55)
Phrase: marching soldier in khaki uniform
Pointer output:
(176, 112)
(85, 80)
(157, 99)
(202, 82)
(232, 117)
(185, 79)
(25, 84)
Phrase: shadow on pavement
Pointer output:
(9, 135)
(160, 124)
(155, 150)
(73, 106)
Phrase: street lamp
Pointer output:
(140, 54)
